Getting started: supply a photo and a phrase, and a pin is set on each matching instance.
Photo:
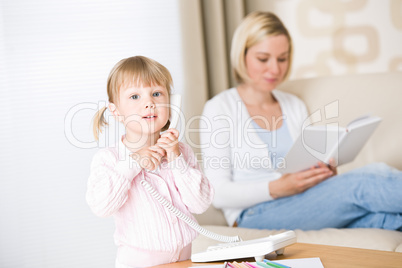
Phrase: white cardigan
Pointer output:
(235, 159)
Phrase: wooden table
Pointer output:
(331, 256)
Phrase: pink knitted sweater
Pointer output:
(141, 222)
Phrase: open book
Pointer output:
(321, 143)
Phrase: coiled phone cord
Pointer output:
(186, 219)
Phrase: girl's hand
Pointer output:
(169, 141)
(149, 157)
(294, 183)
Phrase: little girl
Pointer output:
(146, 233)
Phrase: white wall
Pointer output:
(55, 55)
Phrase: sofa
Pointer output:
(346, 97)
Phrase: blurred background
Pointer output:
(55, 57)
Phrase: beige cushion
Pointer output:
(376, 239)
(376, 94)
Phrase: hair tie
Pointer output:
(103, 104)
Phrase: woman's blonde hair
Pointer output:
(253, 28)
(134, 71)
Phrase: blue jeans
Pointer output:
(368, 197)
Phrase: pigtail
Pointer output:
(99, 122)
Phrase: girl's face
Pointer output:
(143, 110)
(267, 62)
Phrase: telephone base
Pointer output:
(257, 248)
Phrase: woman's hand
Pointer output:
(332, 166)
(149, 157)
(294, 183)
(170, 143)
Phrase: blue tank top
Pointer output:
(279, 142)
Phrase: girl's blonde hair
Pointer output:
(253, 28)
(134, 71)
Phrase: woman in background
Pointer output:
(250, 130)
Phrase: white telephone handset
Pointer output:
(175, 104)
(234, 247)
